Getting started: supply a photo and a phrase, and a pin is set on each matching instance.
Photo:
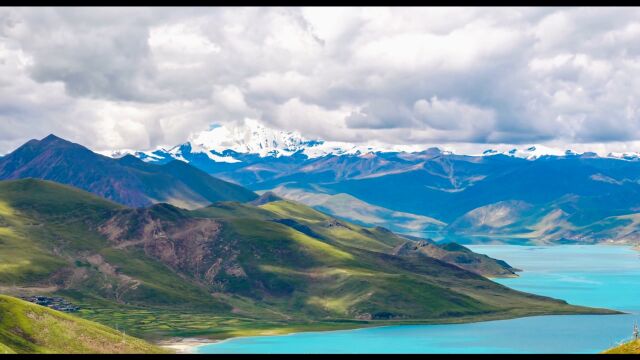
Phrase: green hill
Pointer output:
(231, 268)
(29, 328)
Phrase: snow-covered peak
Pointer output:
(255, 138)
(147, 156)
(536, 151)
(116, 154)
(530, 152)
(252, 138)
(630, 155)
(324, 148)
(230, 144)
(176, 153)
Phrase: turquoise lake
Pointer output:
(591, 275)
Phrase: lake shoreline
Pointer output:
(185, 345)
(190, 345)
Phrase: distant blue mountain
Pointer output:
(524, 193)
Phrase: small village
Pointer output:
(55, 303)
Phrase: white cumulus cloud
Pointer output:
(141, 78)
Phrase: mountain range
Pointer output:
(234, 143)
(531, 195)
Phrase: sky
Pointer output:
(139, 78)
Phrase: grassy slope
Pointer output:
(30, 328)
(314, 273)
(632, 347)
(46, 232)
(28, 241)
(469, 260)
(4, 349)
(349, 234)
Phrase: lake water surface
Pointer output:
(591, 275)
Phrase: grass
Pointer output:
(22, 259)
(4, 349)
(159, 324)
(230, 209)
(159, 285)
(39, 218)
(291, 210)
(44, 198)
(350, 235)
(30, 328)
(156, 324)
(631, 347)
(265, 231)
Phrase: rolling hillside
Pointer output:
(26, 328)
(277, 263)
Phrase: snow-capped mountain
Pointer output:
(531, 152)
(226, 144)
(252, 138)
(255, 138)
(253, 141)
(632, 155)
(148, 156)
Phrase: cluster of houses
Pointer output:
(55, 303)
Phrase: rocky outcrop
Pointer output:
(335, 223)
(192, 246)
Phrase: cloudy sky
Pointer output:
(140, 78)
